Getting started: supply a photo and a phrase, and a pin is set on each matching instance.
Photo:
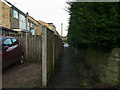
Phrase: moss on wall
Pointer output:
(103, 65)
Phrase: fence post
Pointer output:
(44, 56)
(53, 52)
(26, 45)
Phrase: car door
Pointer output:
(16, 49)
(8, 56)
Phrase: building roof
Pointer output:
(48, 25)
(34, 19)
(14, 7)
(6, 29)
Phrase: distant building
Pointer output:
(48, 25)
(52, 27)
(64, 38)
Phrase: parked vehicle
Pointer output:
(11, 51)
(66, 45)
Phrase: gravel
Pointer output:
(27, 75)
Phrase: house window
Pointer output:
(28, 26)
(32, 25)
(33, 31)
(15, 13)
(22, 23)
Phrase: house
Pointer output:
(5, 15)
(13, 18)
(51, 27)
(34, 26)
(48, 25)
(18, 19)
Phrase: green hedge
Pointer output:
(94, 25)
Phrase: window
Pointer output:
(28, 26)
(15, 41)
(22, 22)
(7, 42)
(15, 13)
(32, 25)
(22, 18)
(33, 31)
(1, 39)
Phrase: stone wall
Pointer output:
(14, 21)
(5, 15)
(111, 70)
(105, 66)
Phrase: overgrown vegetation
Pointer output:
(94, 25)
(93, 29)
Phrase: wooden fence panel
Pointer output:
(43, 49)
(33, 46)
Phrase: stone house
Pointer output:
(13, 18)
(34, 26)
(48, 25)
(5, 15)
(18, 19)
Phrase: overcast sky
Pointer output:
(49, 11)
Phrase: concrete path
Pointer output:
(65, 75)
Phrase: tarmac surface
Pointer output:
(65, 75)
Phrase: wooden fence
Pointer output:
(43, 49)
(32, 46)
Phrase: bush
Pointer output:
(94, 25)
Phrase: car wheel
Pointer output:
(21, 61)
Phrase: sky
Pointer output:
(49, 11)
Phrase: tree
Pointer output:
(94, 25)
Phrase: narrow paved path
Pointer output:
(65, 75)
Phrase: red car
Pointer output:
(11, 51)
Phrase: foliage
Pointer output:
(94, 25)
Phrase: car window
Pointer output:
(15, 41)
(1, 39)
(7, 42)
(0, 47)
